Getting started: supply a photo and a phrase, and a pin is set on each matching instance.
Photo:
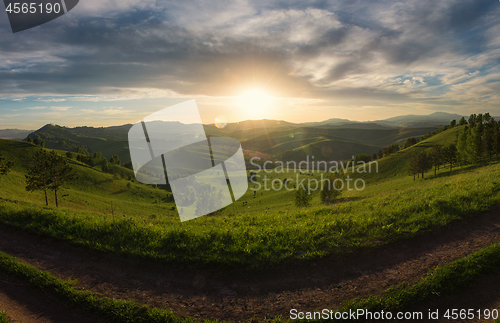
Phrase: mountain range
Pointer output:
(333, 139)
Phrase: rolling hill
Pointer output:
(277, 139)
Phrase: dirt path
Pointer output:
(242, 294)
(31, 305)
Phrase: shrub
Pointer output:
(302, 197)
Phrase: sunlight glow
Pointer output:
(256, 103)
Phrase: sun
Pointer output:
(256, 103)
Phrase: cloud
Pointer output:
(60, 108)
(382, 52)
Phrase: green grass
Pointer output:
(260, 239)
(94, 190)
(3, 317)
(257, 231)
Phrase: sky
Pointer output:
(111, 62)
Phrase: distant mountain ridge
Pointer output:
(411, 120)
(14, 134)
(339, 138)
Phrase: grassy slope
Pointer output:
(269, 136)
(268, 229)
(94, 190)
(109, 141)
(378, 137)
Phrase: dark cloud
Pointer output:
(148, 47)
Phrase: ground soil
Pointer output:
(243, 294)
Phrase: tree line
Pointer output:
(478, 142)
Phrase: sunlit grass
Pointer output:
(267, 238)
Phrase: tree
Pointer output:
(38, 177)
(462, 122)
(472, 120)
(424, 162)
(487, 141)
(330, 192)
(5, 165)
(410, 142)
(380, 154)
(61, 173)
(30, 141)
(450, 154)
(437, 157)
(475, 144)
(128, 165)
(104, 165)
(42, 144)
(462, 151)
(362, 158)
(420, 163)
(115, 160)
(36, 141)
(413, 170)
(374, 156)
(453, 123)
(487, 118)
(497, 138)
(302, 197)
(69, 154)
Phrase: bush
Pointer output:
(328, 191)
(302, 197)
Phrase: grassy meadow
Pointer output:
(259, 230)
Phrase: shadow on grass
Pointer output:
(348, 199)
(457, 170)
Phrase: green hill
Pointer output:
(397, 165)
(94, 190)
(263, 227)
(109, 141)
(340, 143)
(275, 138)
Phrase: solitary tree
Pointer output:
(60, 172)
(38, 177)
